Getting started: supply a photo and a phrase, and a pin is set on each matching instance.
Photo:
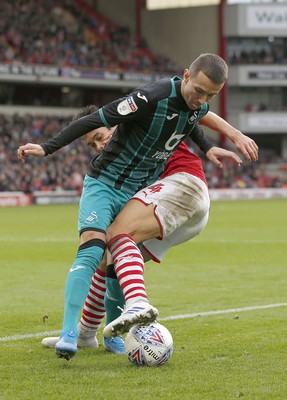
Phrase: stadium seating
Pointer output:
(72, 34)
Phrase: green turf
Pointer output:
(238, 261)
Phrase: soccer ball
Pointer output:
(149, 345)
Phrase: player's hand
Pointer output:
(30, 149)
(245, 146)
(215, 153)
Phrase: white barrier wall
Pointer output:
(72, 197)
(247, 194)
(13, 199)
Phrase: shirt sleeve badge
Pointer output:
(127, 106)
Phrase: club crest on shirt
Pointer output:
(193, 117)
(127, 106)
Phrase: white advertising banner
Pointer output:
(255, 20)
(264, 17)
(267, 121)
(15, 199)
(247, 194)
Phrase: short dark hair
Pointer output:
(212, 65)
(85, 111)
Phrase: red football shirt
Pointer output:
(183, 160)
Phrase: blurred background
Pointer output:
(58, 56)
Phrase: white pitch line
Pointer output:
(172, 317)
(75, 239)
(231, 310)
(28, 336)
(39, 240)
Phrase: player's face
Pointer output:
(98, 138)
(198, 90)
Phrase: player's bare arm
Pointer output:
(243, 143)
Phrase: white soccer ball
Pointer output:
(149, 345)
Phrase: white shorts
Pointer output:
(181, 205)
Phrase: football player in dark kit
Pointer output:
(151, 122)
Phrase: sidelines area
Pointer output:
(72, 196)
(75, 240)
(173, 317)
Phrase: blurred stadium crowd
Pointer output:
(70, 34)
(62, 171)
(65, 169)
(260, 55)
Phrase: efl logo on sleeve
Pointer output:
(127, 106)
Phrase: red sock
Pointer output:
(129, 267)
(94, 310)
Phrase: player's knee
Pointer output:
(139, 230)
(115, 230)
(87, 235)
(124, 224)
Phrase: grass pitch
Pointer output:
(239, 261)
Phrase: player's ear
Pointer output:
(186, 75)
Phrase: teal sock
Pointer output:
(114, 298)
(78, 283)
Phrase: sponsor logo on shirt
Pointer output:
(142, 96)
(127, 106)
(161, 155)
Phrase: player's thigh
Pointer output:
(175, 199)
(99, 205)
(137, 220)
(187, 231)
(157, 249)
